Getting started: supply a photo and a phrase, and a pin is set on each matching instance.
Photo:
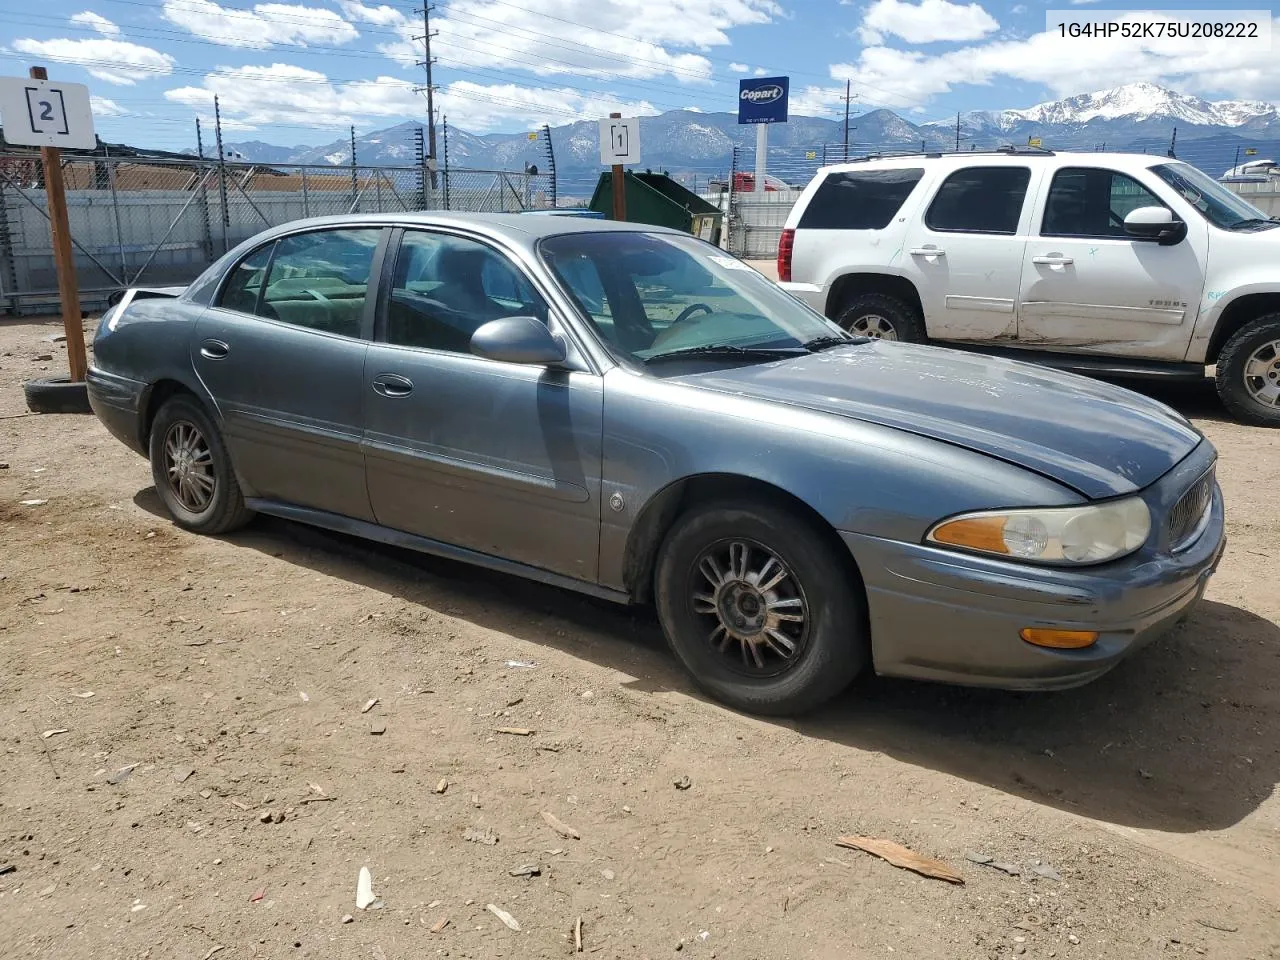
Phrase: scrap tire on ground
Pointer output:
(56, 395)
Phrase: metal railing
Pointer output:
(158, 222)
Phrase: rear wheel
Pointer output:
(765, 612)
(1248, 378)
(882, 316)
(192, 471)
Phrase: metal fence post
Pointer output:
(115, 210)
(8, 268)
(225, 214)
(377, 188)
(306, 197)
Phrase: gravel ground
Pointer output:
(163, 694)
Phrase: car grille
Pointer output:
(1187, 519)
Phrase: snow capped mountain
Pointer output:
(1144, 101)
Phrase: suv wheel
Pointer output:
(1248, 378)
(192, 471)
(762, 609)
(882, 316)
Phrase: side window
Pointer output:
(447, 287)
(240, 292)
(320, 280)
(1092, 202)
(859, 199)
(980, 200)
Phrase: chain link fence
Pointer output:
(160, 222)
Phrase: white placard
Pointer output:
(620, 141)
(46, 113)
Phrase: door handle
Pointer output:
(1053, 261)
(214, 349)
(927, 252)
(392, 385)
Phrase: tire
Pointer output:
(882, 316)
(57, 395)
(211, 506)
(1250, 349)
(831, 647)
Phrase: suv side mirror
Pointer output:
(517, 340)
(1155, 223)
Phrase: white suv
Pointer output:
(1126, 264)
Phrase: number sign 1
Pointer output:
(620, 140)
(46, 113)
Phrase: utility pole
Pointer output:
(430, 88)
(846, 119)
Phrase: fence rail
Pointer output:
(164, 221)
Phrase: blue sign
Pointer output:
(763, 100)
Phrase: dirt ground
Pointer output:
(230, 676)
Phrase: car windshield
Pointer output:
(654, 295)
(1216, 203)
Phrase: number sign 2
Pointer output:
(46, 113)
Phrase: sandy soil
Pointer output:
(230, 674)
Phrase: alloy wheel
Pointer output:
(1262, 374)
(188, 466)
(874, 326)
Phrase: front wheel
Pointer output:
(764, 611)
(1248, 378)
(192, 471)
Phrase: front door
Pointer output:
(500, 458)
(1088, 286)
(282, 353)
(965, 254)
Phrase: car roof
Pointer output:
(1016, 157)
(514, 227)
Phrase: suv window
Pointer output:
(859, 199)
(1092, 202)
(447, 287)
(980, 200)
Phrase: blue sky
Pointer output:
(300, 71)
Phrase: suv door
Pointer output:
(281, 351)
(965, 254)
(1088, 286)
(500, 458)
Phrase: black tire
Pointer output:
(57, 395)
(903, 317)
(1231, 381)
(835, 645)
(225, 510)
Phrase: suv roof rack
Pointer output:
(1005, 150)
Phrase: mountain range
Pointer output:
(698, 146)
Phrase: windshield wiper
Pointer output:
(1256, 222)
(824, 343)
(729, 352)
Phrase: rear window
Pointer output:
(980, 200)
(859, 199)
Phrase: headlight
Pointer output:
(1063, 535)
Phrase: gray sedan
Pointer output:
(628, 412)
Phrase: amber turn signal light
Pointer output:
(1059, 639)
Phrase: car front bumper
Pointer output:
(117, 402)
(941, 615)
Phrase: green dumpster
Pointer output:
(656, 199)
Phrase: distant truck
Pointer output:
(746, 183)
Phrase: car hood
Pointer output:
(1099, 439)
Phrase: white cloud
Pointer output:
(760, 71)
(925, 22)
(253, 97)
(1082, 3)
(104, 107)
(815, 101)
(1066, 66)
(96, 22)
(739, 67)
(266, 25)
(582, 38)
(1017, 10)
(382, 16)
(115, 61)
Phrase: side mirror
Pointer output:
(517, 340)
(1155, 223)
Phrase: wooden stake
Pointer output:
(63, 258)
(619, 187)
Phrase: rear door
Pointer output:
(282, 353)
(1088, 286)
(964, 254)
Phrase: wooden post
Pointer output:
(619, 187)
(63, 258)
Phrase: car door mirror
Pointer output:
(1155, 223)
(517, 340)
